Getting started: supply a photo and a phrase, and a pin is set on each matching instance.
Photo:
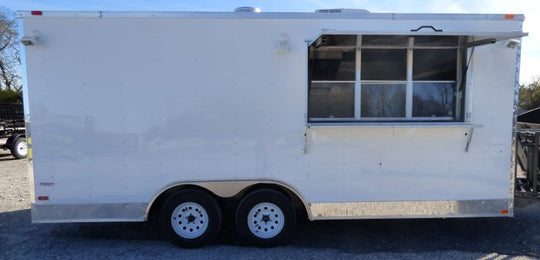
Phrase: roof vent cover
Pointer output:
(342, 11)
(247, 9)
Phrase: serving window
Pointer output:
(385, 78)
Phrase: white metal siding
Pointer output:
(121, 107)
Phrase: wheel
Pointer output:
(265, 218)
(20, 148)
(190, 218)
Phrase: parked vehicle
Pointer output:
(185, 117)
(12, 127)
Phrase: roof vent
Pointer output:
(247, 9)
(342, 11)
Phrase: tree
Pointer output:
(10, 78)
(529, 96)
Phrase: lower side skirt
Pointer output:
(137, 212)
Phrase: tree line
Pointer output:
(529, 95)
(10, 59)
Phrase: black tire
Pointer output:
(265, 218)
(194, 228)
(19, 149)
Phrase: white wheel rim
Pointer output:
(265, 220)
(189, 220)
(22, 148)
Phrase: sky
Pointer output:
(530, 51)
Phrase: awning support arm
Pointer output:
(481, 42)
(469, 139)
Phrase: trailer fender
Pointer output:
(11, 140)
(225, 190)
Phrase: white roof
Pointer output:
(277, 15)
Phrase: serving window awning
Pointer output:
(490, 38)
(477, 38)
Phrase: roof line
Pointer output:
(273, 15)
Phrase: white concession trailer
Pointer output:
(186, 117)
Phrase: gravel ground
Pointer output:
(480, 238)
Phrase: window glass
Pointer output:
(383, 100)
(384, 64)
(433, 99)
(335, 40)
(436, 41)
(331, 100)
(332, 64)
(385, 40)
(434, 64)
(385, 61)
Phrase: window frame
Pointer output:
(458, 93)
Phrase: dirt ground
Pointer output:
(477, 238)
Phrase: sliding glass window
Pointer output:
(384, 78)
